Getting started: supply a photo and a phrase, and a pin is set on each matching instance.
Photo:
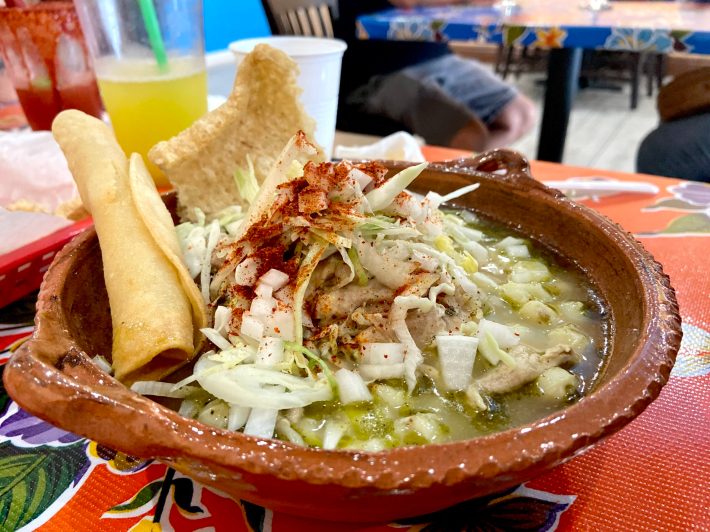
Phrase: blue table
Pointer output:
(561, 26)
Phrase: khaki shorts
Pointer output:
(435, 99)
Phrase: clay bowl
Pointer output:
(52, 377)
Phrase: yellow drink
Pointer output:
(146, 106)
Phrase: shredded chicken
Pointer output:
(529, 366)
(342, 303)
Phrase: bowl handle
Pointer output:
(510, 165)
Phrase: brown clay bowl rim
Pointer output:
(544, 442)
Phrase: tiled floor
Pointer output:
(603, 131)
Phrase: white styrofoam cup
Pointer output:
(319, 61)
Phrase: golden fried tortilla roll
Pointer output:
(156, 308)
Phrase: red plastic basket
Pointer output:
(22, 270)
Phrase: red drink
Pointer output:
(39, 105)
(44, 51)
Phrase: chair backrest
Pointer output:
(313, 18)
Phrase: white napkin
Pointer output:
(33, 168)
(20, 228)
(400, 146)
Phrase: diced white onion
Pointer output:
(333, 433)
(281, 324)
(468, 217)
(382, 353)
(285, 430)
(215, 413)
(484, 281)
(245, 272)
(270, 352)
(262, 307)
(261, 422)
(189, 408)
(476, 250)
(457, 354)
(518, 252)
(237, 417)
(504, 335)
(251, 327)
(510, 241)
(264, 290)
(374, 372)
(103, 364)
(217, 339)
(351, 387)
(529, 272)
(276, 279)
(424, 424)
(222, 317)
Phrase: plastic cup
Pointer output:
(319, 61)
(45, 55)
(150, 64)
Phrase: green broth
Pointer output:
(431, 415)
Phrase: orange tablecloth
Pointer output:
(653, 475)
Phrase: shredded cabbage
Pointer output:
(246, 182)
(381, 197)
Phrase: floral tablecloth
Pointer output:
(653, 475)
(639, 26)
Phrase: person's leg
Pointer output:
(423, 108)
(506, 114)
(680, 148)
(473, 136)
(516, 119)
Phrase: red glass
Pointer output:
(45, 54)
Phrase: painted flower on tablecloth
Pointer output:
(117, 462)
(694, 354)
(521, 508)
(416, 29)
(25, 430)
(689, 197)
(549, 38)
(176, 502)
(489, 34)
(694, 193)
(679, 37)
(628, 39)
(514, 35)
(39, 463)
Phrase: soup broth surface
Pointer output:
(578, 320)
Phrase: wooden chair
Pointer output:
(311, 18)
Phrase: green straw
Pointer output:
(150, 20)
